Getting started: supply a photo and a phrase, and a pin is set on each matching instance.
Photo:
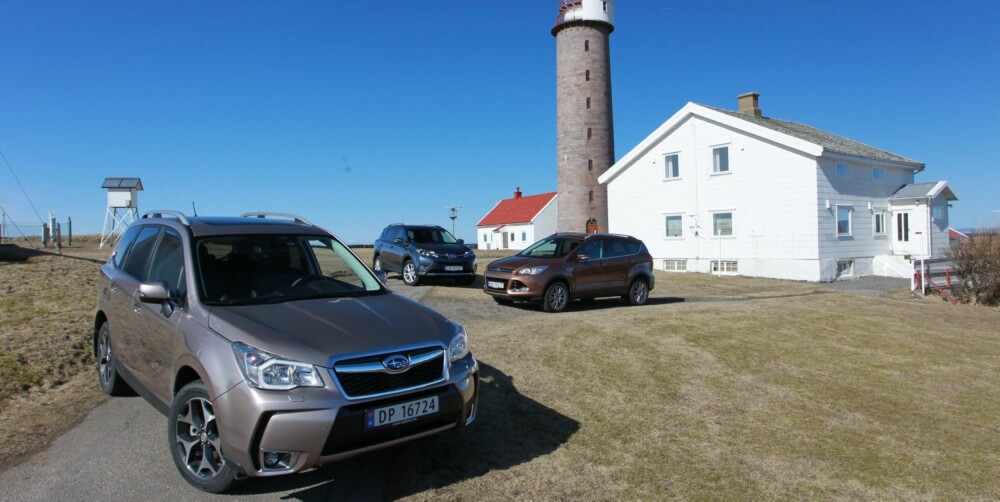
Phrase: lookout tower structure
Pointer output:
(585, 139)
(123, 206)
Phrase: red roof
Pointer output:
(516, 210)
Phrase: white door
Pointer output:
(907, 237)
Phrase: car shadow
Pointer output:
(598, 304)
(510, 429)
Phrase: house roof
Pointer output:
(516, 210)
(135, 183)
(923, 190)
(796, 137)
(829, 141)
(956, 234)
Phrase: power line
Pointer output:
(25, 192)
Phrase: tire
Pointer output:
(377, 264)
(638, 292)
(107, 367)
(410, 277)
(556, 297)
(193, 438)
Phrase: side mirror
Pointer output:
(461, 241)
(153, 292)
(582, 257)
(380, 275)
(397, 240)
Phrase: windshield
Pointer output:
(253, 269)
(429, 235)
(551, 247)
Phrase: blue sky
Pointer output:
(359, 114)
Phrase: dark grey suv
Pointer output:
(417, 251)
(271, 347)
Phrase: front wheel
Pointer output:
(193, 435)
(556, 297)
(638, 292)
(410, 277)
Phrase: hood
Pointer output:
(311, 331)
(516, 262)
(457, 249)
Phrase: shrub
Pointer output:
(976, 260)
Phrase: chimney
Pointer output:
(517, 193)
(748, 103)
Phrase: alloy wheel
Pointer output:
(639, 292)
(409, 273)
(198, 438)
(104, 358)
(556, 297)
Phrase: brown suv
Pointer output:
(569, 266)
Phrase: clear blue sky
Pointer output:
(358, 114)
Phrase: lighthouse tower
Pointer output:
(585, 141)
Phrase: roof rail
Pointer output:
(160, 213)
(265, 214)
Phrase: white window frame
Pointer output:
(666, 226)
(850, 220)
(878, 179)
(666, 166)
(732, 224)
(675, 265)
(840, 174)
(715, 165)
(937, 214)
(845, 268)
(729, 267)
(876, 214)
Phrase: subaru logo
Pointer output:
(396, 363)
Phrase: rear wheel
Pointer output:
(377, 265)
(193, 434)
(638, 292)
(107, 367)
(410, 276)
(556, 297)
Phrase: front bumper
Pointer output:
(318, 425)
(514, 287)
(446, 267)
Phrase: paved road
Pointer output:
(119, 452)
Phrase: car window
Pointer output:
(122, 248)
(430, 235)
(593, 250)
(551, 247)
(619, 247)
(138, 255)
(168, 265)
(398, 233)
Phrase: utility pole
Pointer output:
(453, 214)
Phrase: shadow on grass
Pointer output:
(510, 429)
(15, 253)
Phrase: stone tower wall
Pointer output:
(582, 47)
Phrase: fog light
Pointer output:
(518, 287)
(278, 460)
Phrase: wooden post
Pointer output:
(69, 231)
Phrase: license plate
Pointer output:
(453, 268)
(495, 284)
(402, 412)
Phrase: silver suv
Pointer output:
(271, 347)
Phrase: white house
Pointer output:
(518, 222)
(714, 190)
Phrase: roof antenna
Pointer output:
(194, 209)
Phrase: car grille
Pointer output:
(366, 377)
(492, 268)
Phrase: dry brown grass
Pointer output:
(746, 389)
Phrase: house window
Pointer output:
(674, 228)
(728, 267)
(675, 265)
(720, 159)
(722, 224)
(843, 170)
(878, 174)
(937, 214)
(586, 75)
(878, 222)
(512, 239)
(588, 103)
(485, 238)
(845, 268)
(524, 236)
(605, 6)
(844, 214)
(590, 164)
(590, 133)
(586, 45)
(591, 195)
(671, 167)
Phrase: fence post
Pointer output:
(69, 231)
(45, 235)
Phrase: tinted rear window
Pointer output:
(138, 255)
(122, 248)
(618, 247)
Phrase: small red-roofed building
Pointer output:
(517, 222)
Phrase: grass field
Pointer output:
(721, 388)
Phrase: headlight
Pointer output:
(459, 346)
(268, 371)
(427, 252)
(532, 270)
(469, 254)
